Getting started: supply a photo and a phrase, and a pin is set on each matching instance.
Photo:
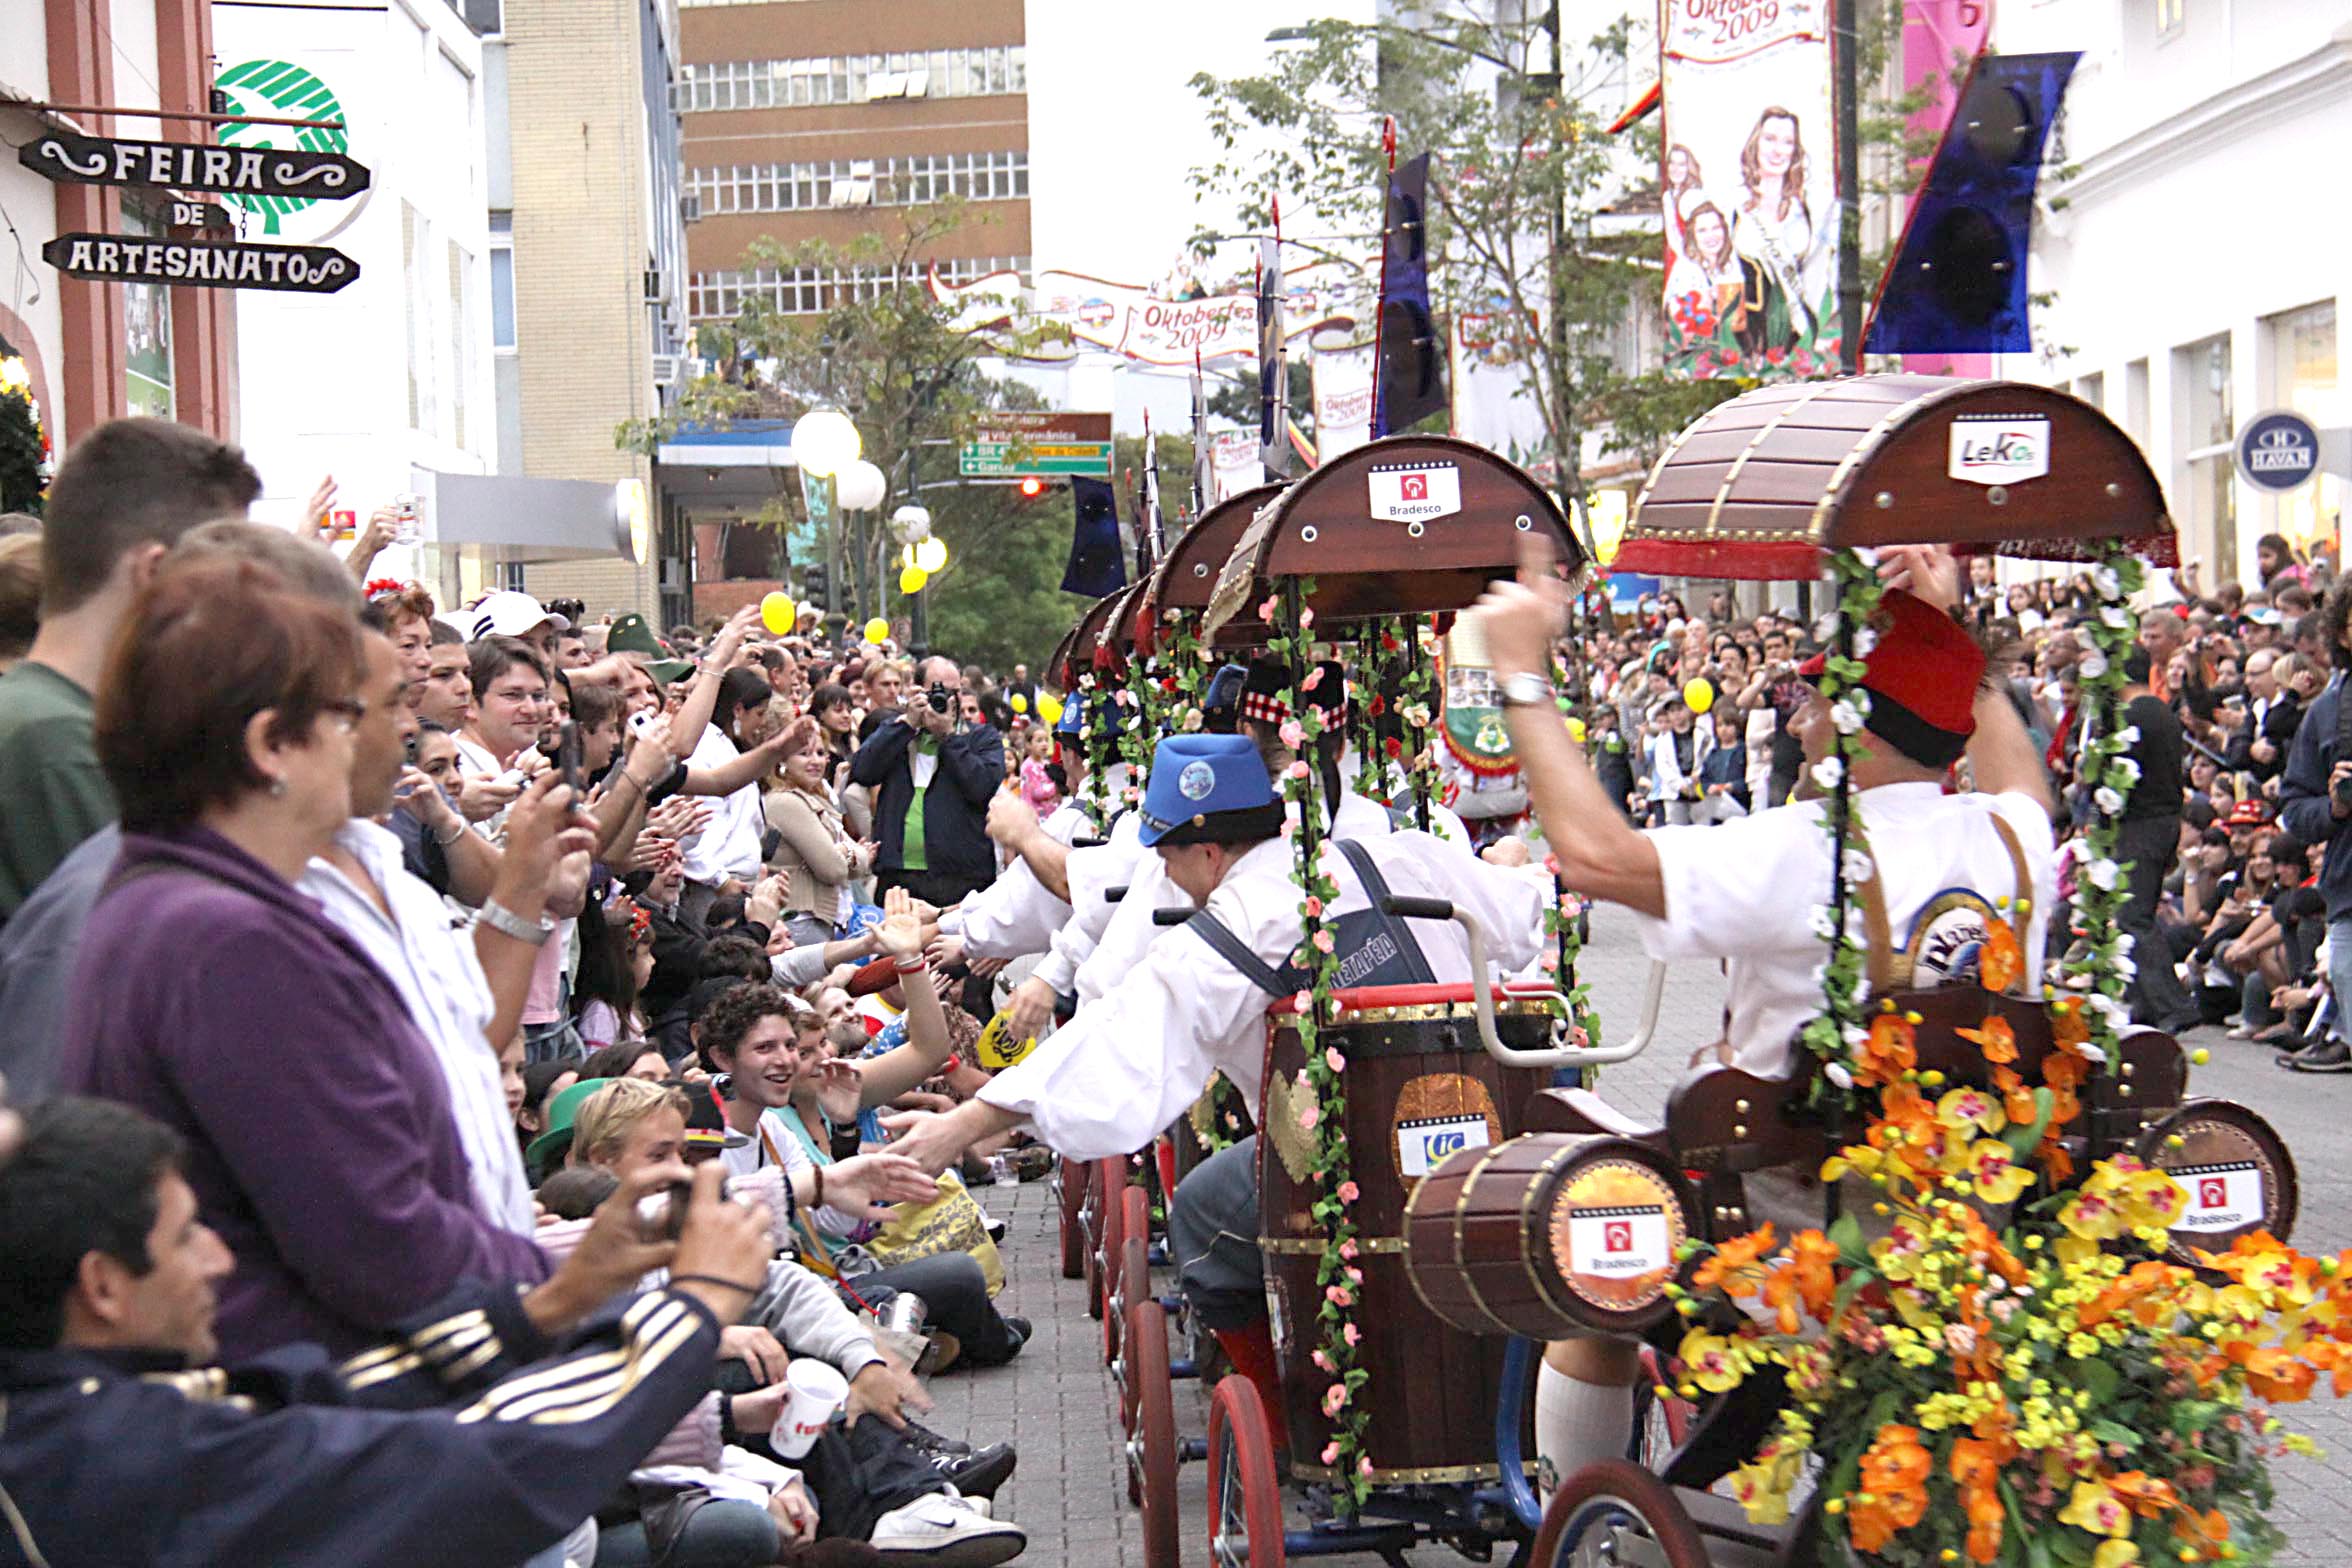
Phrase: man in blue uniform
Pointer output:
(120, 1446)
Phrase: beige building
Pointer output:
(587, 269)
(810, 119)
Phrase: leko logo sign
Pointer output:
(1999, 449)
(1414, 493)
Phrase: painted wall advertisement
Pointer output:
(1750, 188)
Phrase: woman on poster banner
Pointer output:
(1704, 280)
(1781, 253)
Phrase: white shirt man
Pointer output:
(728, 845)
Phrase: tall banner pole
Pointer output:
(1380, 295)
(1845, 56)
(1203, 456)
(1273, 364)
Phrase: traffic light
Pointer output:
(816, 584)
(1032, 487)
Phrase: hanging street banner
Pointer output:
(1343, 399)
(281, 89)
(1158, 324)
(1750, 188)
(193, 166)
(1019, 445)
(217, 264)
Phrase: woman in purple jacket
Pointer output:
(216, 998)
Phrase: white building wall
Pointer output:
(394, 371)
(2193, 215)
(28, 287)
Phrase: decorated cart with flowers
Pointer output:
(1403, 1429)
(2035, 1300)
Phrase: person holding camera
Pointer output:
(2315, 805)
(932, 776)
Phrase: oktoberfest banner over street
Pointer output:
(1750, 188)
(1153, 324)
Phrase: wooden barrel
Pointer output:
(1549, 1235)
(2235, 1174)
(1418, 1086)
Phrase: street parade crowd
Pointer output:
(506, 1083)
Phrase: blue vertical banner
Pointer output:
(1411, 371)
(1097, 565)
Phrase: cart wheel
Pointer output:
(1108, 1268)
(1105, 1179)
(1615, 1512)
(1134, 1280)
(1151, 1441)
(1245, 1499)
(1070, 1187)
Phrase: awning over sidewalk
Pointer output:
(538, 519)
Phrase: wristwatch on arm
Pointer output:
(1526, 690)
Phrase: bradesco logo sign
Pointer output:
(2278, 451)
(1999, 449)
(1414, 492)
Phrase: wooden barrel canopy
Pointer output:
(1114, 638)
(1186, 577)
(1760, 486)
(1406, 525)
(1084, 637)
(1057, 672)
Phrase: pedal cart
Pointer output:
(2083, 1143)
(1403, 1429)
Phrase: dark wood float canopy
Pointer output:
(1408, 525)
(1760, 486)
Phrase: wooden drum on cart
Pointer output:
(1419, 1087)
(2235, 1174)
(1550, 1235)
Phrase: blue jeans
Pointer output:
(2340, 973)
(722, 1534)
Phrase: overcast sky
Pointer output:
(1115, 130)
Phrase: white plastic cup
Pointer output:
(816, 1392)
(1001, 1172)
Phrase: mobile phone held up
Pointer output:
(570, 761)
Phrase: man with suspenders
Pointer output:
(1133, 1060)
(1942, 869)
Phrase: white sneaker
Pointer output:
(946, 1531)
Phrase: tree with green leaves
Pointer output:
(886, 352)
(1538, 217)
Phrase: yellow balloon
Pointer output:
(877, 631)
(1699, 694)
(1020, 703)
(912, 578)
(1575, 729)
(778, 612)
(1049, 708)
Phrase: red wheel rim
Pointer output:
(1243, 1491)
(1151, 1450)
(1070, 1184)
(1134, 1277)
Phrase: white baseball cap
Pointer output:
(509, 613)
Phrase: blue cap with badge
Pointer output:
(1073, 720)
(1208, 789)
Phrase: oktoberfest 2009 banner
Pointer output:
(1750, 187)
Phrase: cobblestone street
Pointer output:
(1055, 1401)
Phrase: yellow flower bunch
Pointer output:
(2061, 1374)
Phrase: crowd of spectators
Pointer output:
(389, 965)
(2228, 835)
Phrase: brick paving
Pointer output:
(1055, 1401)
